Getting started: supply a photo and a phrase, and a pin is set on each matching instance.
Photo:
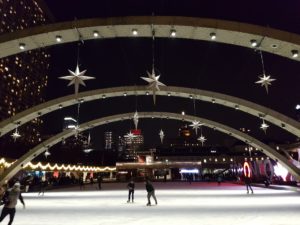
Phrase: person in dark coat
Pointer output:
(248, 184)
(150, 192)
(11, 197)
(43, 185)
(81, 182)
(130, 187)
(99, 180)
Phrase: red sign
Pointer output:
(136, 132)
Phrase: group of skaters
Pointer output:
(149, 188)
(82, 183)
(11, 195)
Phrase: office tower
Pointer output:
(23, 77)
(134, 144)
(108, 140)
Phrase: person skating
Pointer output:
(150, 192)
(99, 181)
(248, 184)
(130, 187)
(43, 185)
(11, 198)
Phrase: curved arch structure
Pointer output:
(270, 115)
(30, 155)
(272, 40)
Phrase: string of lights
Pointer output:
(69, 167)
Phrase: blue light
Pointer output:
(189, 171)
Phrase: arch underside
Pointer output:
(254, 109)
(240, 34)
(31, 154)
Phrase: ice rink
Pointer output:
(178, 203)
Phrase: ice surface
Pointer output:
(178, 203)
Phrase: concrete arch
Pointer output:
(274, 41)
(270, 115)
(31, 154)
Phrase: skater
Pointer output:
(130, 187)
(11, 197)
(43, 185)
(81, 182)
(248, 184)
(219, 179)
(150, 192)
(99, 180)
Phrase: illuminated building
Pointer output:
(108, 140)
(23, 77)
(133, 145)
(185, 132)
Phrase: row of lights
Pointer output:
(58, 39)
(213, 36)
(39, 165)
(295, 53)
(173, 33)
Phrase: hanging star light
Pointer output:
(89, 139)
(16, 134)
(154, 84)
(136, 119)
(77, 131)
(47, 153)
(196, 125)
(202, 139)
(264, 126)
(87, 145)
(88, 150)
(265, 81)
(161, 135)
(77, 78)
(130, 136)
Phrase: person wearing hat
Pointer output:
(11, 197)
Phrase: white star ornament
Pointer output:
(76, 78)
(265, 81)
(154, 83)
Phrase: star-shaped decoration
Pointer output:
(161, 135)
(196, 125)
(89, 139)
(47, 153)
(77, 78)
(130, 136)
(202, 139)
(136, 119)
(265, 81)
(264, 126)
(16, 135)
(88, 150)
(154, 84)
(77, 131)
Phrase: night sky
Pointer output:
(209, 66)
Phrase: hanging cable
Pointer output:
(136, 99)
(262, 62)
(153, 41)
(194, 101)
(78, 112)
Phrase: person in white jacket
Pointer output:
(10, 198)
